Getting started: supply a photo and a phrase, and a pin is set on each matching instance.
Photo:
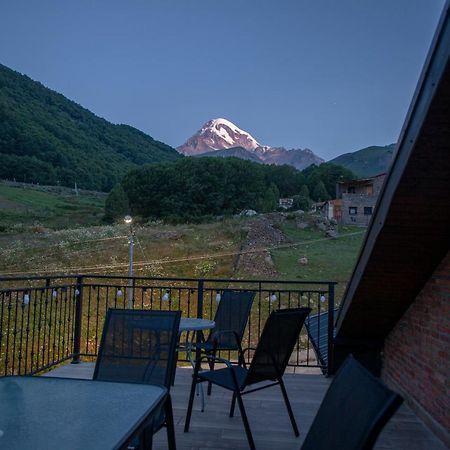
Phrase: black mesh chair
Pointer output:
(231, 319)
(355, 409)
(269, 362)
(138, 346)
(317, 327)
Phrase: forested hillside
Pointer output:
(48, 139)
(196, 187)
(368, 162)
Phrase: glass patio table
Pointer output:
(193, 325)
(43, 413)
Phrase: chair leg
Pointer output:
(211, 367)
(190, 404)
(169, 424)
(146, 440)
(233, 404)
(174, 369)
(288, 406)
(248, 432)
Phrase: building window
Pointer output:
(353, 210)
(368, 210)
(351, 190)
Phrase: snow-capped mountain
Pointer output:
(218, 134)
(220, 137)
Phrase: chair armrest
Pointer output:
(198, 363)
(216, 359)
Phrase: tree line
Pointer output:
(194, 188)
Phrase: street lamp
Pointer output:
(129, 221)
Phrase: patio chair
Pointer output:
(317, 327)
(269, 362)
(138, 346)
(354, 411)
(231, 319)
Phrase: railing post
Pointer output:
(200, 286)
(200, 299)
(78, 320)
(330, 328)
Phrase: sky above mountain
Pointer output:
(333, 76)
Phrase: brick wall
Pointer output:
(416, 352)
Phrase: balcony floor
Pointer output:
(267, 416)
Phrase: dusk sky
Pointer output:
(333, 76)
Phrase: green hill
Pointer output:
(46, 138)
(367, 162)
(26, 207)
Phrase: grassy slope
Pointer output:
(48, 232)
(104, 249)
(25, 207)
(328, 259)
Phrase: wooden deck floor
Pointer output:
(268, 418)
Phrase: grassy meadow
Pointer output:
(47, 231)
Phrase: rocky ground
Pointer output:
(263, 232)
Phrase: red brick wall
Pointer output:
(416, 352)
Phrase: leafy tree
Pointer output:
(302, 201)
(329, 174)
(320, 194)
(270, 199)
(304, 191)
(117, 204)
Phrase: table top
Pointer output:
(62, 413)
(192, 324)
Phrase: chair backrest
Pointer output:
(276, 344)
(353, 412)
(138, 346)
(317, 327)
(232, 315)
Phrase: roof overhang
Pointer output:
(410, 231)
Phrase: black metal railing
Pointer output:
(47, 320)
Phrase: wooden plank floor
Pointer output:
(268, 418)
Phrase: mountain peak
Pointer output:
(218, 134)
(221, 137)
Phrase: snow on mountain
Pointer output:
(219, 135)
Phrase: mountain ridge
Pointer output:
(47, 138)
(221, 135)
(368, 161)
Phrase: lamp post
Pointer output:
(128, 220)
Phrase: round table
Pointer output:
(192, 325)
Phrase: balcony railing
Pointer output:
(45, 321)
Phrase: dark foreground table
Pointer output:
(60, 413)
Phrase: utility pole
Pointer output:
(128, 220)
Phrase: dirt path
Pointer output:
(262, 232)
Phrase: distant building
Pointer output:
(286, 203)
(356, 200)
